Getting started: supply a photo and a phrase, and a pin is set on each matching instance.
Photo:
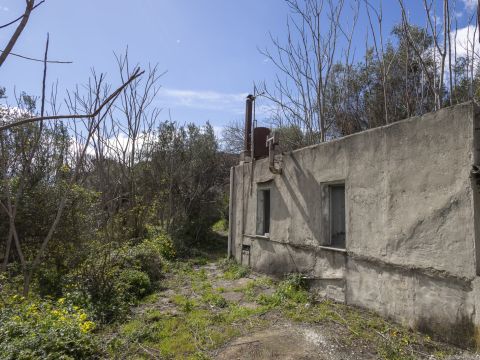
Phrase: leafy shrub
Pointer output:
(114, 277)
(49, 282)
(147, 257)
(34, 329)
(136, 284)
(158, 237)
(98, 283)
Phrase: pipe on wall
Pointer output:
(230, 212)
(271, 142)
(248, 124)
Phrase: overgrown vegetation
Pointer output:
(45, 329)
(192, 317)
(102, 212)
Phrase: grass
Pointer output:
(392, 341)
(232, 270)
(203, 323)
(204, 320)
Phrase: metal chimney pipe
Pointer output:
(248, 124)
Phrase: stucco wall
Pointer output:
(410, 218)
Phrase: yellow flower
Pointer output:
(87, 326)
(32, 309)
(61, 301)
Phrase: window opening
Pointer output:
(263, 212)
(337, 216)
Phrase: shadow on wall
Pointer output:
(462, 333)
(309, 205)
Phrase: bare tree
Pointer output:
(233, 135)
(20, 133)
(379, 46)
(126, 138)
(30, 6)
(305, 66)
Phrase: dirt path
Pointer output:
(223, 311)
(282, 339)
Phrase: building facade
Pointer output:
(386, 219)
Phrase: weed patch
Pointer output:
(232, 270)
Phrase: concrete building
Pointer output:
(386, 219)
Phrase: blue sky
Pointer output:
(208, 48)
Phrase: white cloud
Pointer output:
(466, 41)
(207, 100)
(464, 44)
(470, 4)
(10, 114)
(113, 147)
(218, 131)
(232, 103)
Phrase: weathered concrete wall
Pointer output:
(411, 214)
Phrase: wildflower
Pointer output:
(87, 326)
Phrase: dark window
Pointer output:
(263, 212)
(337, 215)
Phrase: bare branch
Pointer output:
(108, 100)
(18, 31)
(39, 60)
(44, 80)
(20, 17)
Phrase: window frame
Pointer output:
(263, 219)
(326, 220)
(337, 245)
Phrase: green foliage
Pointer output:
(136, 284)
(114, 277)
(34, 329)
(180, 337)
(50, 282)
(220, 226)
(289, 293)
(214, 299)
(159, 239)
(189, 174)
(232, 270)
(146, 257)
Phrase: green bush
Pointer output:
(34, 329)
(160, 239)
(146, 256)
(49, 282)
(98, 283)
(115, 277)
(136, 284)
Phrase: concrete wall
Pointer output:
(411, 214)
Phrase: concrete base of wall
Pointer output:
(434, 303)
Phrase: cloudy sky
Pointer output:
(208, 48)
